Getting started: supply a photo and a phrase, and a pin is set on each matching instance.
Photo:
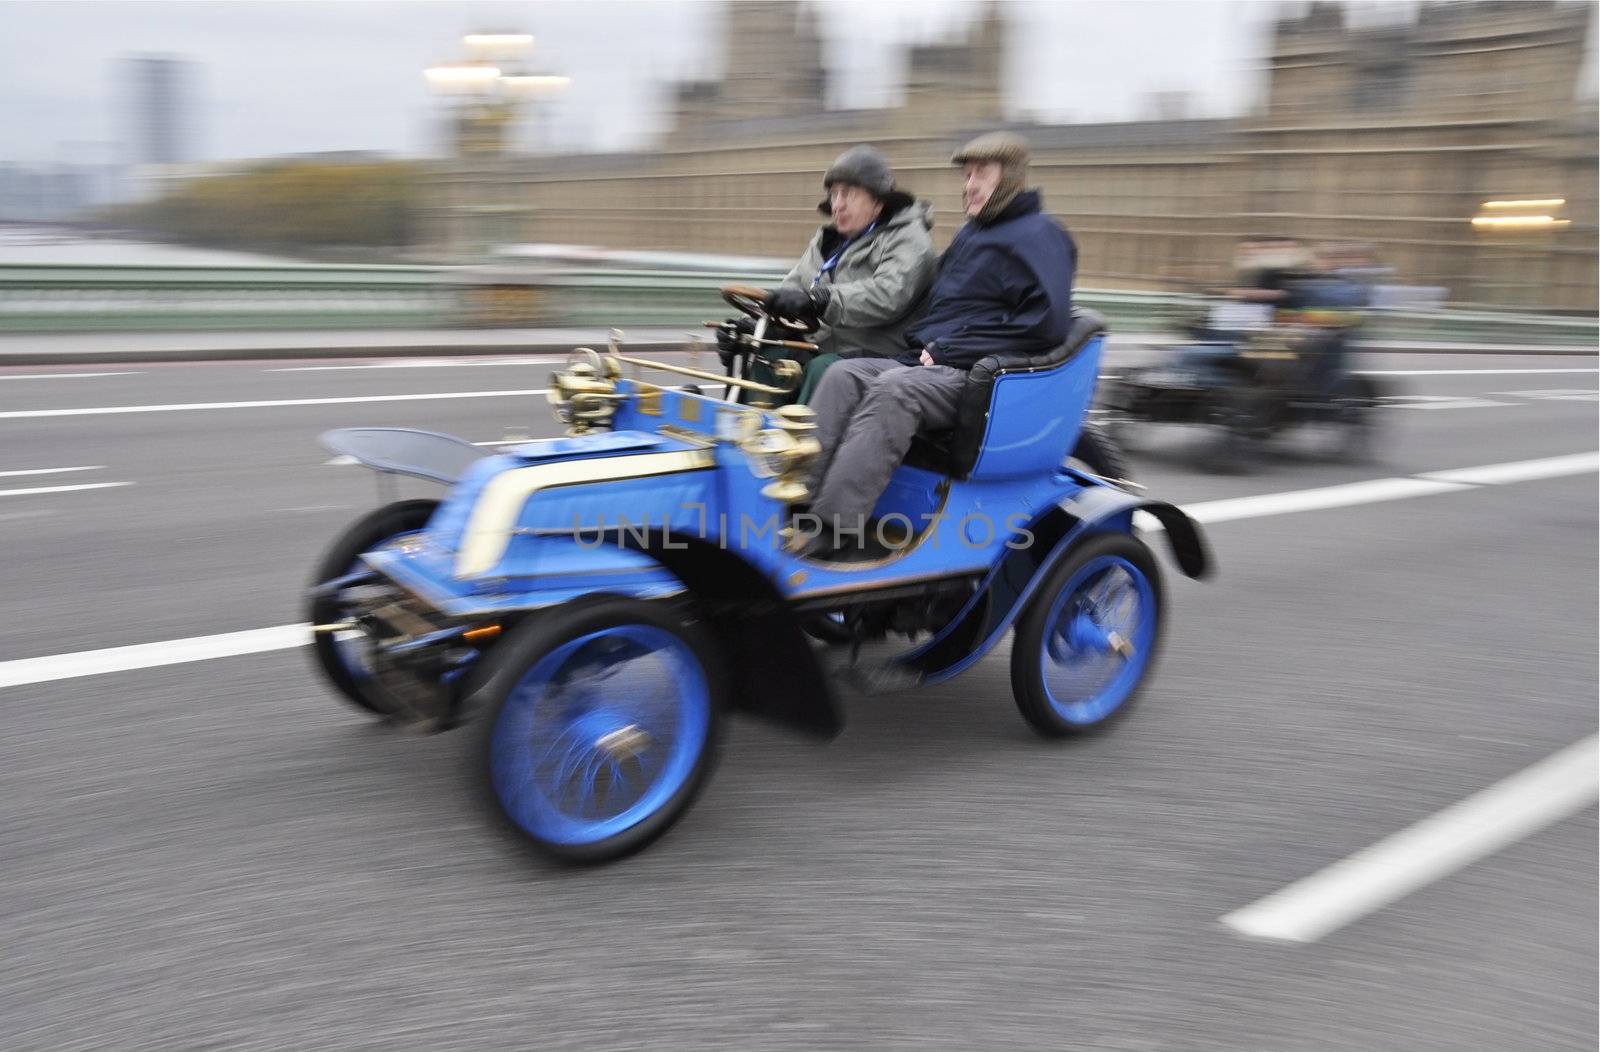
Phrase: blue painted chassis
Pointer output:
(709, 531)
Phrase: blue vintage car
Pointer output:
(596, 604)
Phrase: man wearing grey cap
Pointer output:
(1004, 286)
(865, 270)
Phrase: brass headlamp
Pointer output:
(785, 453)
(584, 395)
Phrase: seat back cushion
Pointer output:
(1019, 414)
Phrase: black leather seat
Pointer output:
(955, 451)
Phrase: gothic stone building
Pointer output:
(1395, 136)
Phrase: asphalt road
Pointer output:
(217, 854)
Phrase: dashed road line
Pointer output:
(51, 471)
(62, 376)
(61, 489)
(1520, 470)
(1467, 372)
(273, 403)
(1307, 910)
(1374, 491)
(1441, 402)
(417, 363)
(183, 407)
(152, 655)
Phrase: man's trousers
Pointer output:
(868, 411)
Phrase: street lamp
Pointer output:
(489, 86)
(491, 83)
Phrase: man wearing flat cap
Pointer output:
(1004, 286)
(864, 270)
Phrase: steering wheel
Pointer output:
(752, 302)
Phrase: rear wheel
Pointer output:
(1088, 637)
(1356, 401)
(601, 724)
(342, 657)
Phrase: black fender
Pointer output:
(405, 451)
(772, 669)
(1010, 584)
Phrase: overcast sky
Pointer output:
(293, 76)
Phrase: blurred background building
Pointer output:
(1456, 145)
(160, 110)
(153, 147)
(160, 121)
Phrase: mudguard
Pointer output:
(1006, 591)
(405, 451)
(772, 668)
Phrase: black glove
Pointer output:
(728, 337)
(798, 304)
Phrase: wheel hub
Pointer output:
(625, 743)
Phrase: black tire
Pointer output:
(363, 535)
(1027, 678)
(1237, 420)
(520, 653)
(1100, 454)
(1357, 409)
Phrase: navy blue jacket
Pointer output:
(1005, 286)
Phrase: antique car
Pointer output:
(594, 605)
(1251, 382)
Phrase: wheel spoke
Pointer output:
(604, 729)
(1093, 653)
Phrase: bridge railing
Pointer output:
(67, 298)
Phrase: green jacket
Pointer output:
(876, 284)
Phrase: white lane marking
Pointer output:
(1532, 350)
(62, 376)
(416, 363)
(152, 655)
(1520, 470)
(30, 414)
(342, 461)
(1305, 911)
(1375, 491)
(180, 407)
(1561, 394)
(62, 489)
(1439, 402)
(33, 513)
(1466, 372)
(51, 471)
(1371, 492)
(199, 648)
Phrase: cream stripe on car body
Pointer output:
(499, 505)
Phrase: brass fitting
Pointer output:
(584, 395)
(788, 452)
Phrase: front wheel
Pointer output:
(600, 725)
(1088, 637)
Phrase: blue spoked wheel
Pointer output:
(1088, 638)
(342, 657)
(601, 724)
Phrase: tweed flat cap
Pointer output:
(1008, 148)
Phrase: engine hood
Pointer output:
(556, 484)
